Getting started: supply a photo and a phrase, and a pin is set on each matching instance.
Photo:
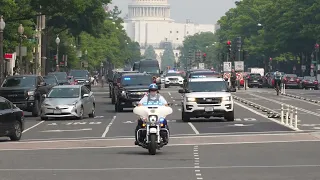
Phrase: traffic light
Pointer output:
(82, 64)
(198, 56)
(244, 55)
(204, 57)
(190, 54)
(316, 46)
(229, 46)
(55, 57)
(239, 42)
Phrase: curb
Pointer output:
(270, 113)
(302, 98)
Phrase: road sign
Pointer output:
(201, 65)
(226, 66)
(303, 67)
(239, 66)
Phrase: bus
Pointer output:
(151, 66)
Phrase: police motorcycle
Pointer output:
(154, 133)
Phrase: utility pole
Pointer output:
(41, 59)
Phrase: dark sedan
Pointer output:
(309, 82)
(254, 79)
(11, 120)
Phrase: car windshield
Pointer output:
(173, 74)
(309, 78)
(203, 74)
(50, 80)
(255, 75)
(292, 75)
(149, 69)
(136, 80)
(79, 73)
(207, 86)
(64, 93)
(60, 76)
(23, 81)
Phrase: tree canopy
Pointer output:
(150, 53)
(82, 26)
(167, 58)
(283, 30)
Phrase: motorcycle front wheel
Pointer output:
(153, 144)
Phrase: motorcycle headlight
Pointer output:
(153, 119)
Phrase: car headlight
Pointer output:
(87, 81)
(191, 99)
(30, 93)
(228, 98)
(123, 93)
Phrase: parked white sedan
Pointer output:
(68, 101)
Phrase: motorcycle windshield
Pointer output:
(146, 111)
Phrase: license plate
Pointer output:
(255, 81)
(56, 111)
(208, 109)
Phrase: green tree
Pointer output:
(205, 42)
(167, 58)
(150, 53)
(284, 30)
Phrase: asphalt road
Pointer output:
(252, 147)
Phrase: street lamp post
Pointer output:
(20, 31)
(57, 58)
(101, 66)
(2, 26)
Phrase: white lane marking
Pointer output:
(33, 126)
(171, 145)
(127, 138)
(262, 115)
(68, 130)
(193, 128)
(108, 127)
(169, 93)
(301, 100)
(279, 102)
(172, 168)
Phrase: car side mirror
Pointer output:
(85, 95)
(181, 91)
(185, 80)
(44, 95)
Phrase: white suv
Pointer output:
(173, 79)
(207, 97)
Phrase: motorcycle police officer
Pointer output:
(152, 96)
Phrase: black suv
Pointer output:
(25, 91)
(81, 77)
(114, 82)
(132, 87)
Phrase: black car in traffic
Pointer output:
(11, 120)
(131, 88)
(25, 92)
(81, 77)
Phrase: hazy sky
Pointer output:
(199, 11)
